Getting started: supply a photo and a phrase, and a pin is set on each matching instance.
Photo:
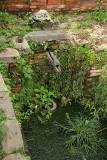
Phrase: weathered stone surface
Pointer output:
(4, 38)
(41, 15)
(14, 137)
(100, 48)
(47, 35)
(78, 18)
(78, 41)
(2, 84)
(15, 157)
(6, 104)
(21, 43)
(9, 55)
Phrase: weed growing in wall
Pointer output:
(2, 45)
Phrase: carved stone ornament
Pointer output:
(41, 15)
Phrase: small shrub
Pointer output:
(82, 133)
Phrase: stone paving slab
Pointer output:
(47, 35)
(14, 137)
(9, 55)
(17, 156)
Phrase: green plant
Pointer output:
(99, 2)
(99, 14)
(29, 1)
(19, 150)
(28, 158)
(2, 154)
(96, 100)
(42, 21)
(2, 45)
(78, 85)
(43, 98)
(82, 136)
(87, 23)
(74, 25)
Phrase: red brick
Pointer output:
(75, 9)
(26, 6)
(50, 6)
(83, 7)
(19, 6)
(33, 6)
(104, 0)
(54, 1)
(35, 3)
(42, 1)
(61, 6)
(104, 4)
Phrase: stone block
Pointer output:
(2, 84)
(15, 157)
(21, 43)
(9, 55)
(47, 35)
(14, 137)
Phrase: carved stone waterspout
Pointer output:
(54, 62)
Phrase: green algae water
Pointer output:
(45, 140)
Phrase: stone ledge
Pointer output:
(14, 138)
(2, 84)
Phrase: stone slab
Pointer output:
(9, 55)
(47, 35)
(13, 139)
(17, 156)
(2, 84)
(6, 104)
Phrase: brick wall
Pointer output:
(21, 6)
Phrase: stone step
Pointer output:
(9, 55)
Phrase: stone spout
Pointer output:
(54, 62)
